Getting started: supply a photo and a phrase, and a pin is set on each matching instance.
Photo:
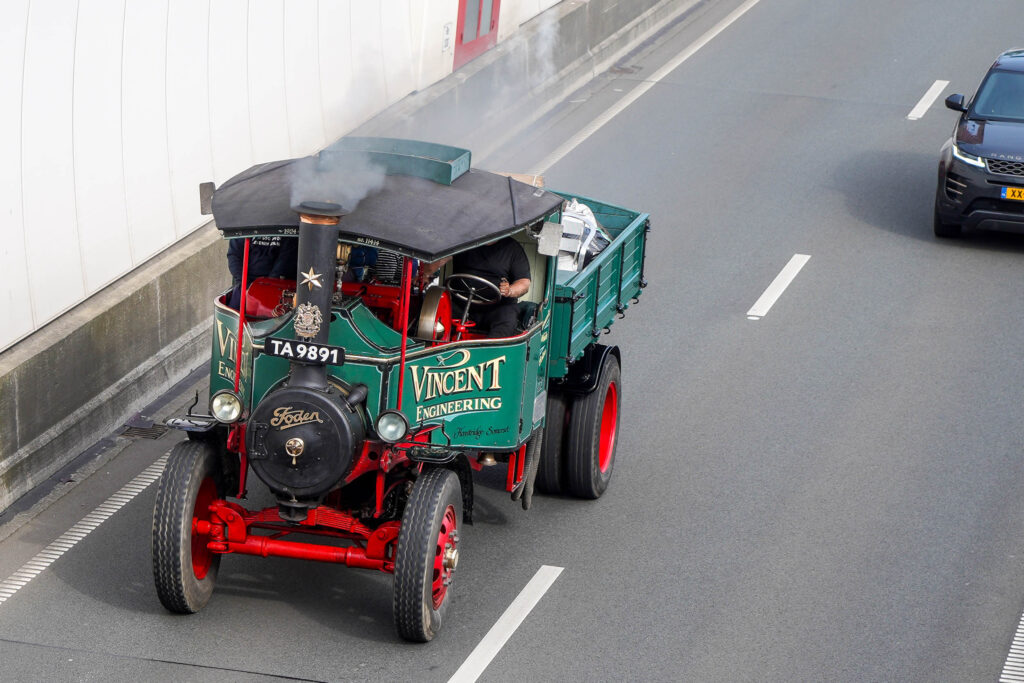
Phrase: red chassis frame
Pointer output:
(228, 527)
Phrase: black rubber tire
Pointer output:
(416, 617)
(945, 230)
(189, 464)
(551, 470)
(591, 442)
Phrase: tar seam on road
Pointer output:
(506, 625)
(777, 287)
(926, 101)
(638, 92)
(173, 662)
(70, 538)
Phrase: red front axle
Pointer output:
(229, 531)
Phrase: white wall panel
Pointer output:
(99, 172)
(369, 94)
(16, 318)
(432, 26)
(336, 71)
(268, 104)
(51, 233)
(144, 133)
(188, 109)
(302, 77)
(231, 138)
(396, 41)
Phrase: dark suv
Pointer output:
(981, 169)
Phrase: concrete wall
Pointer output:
(77, 378)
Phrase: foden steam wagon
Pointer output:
(360, 388)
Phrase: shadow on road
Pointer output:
(896, 192)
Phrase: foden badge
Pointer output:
(307, 320)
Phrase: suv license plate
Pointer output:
(304, 352)
(1016, 193)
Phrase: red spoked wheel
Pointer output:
(202, 558)
(446, 556)
(184, 569)
(427, 555)
(609, 427)
(593, 433)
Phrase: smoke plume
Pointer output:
(339, 177)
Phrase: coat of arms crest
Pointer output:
(308, 319)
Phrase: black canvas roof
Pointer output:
(412, 215)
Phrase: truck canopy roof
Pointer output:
(418, 199)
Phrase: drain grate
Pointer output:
(153, 432)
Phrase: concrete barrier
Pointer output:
(82, 376)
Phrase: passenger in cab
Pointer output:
(504, 264)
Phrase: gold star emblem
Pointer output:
(311, 279)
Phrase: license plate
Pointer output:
(304, 352)
(1016, 193)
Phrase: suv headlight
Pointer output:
(226, 406)
(968, 159)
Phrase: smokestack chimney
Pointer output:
(318, 240)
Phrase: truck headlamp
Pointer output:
(226, 406)
(392, 426)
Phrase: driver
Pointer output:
(504, 264)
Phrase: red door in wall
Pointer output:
(477, 31)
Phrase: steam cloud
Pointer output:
(344, 178)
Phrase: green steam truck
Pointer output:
(364, 393)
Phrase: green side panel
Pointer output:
(439, 163)
(222, 358)
(474, 391)
(587, 303)
(362, 333)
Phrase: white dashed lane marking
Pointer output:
(925, 102)
(506, 625)
(66, 541)
(777, 287)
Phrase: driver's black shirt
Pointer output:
(502, 259)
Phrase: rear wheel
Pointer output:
(427, 555)
(184, 569)
(593, 433)
(550, 477)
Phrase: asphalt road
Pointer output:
(831, 492)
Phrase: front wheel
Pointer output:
(593, 433)
(184, 569)
(427, 555)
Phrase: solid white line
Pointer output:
(777, 287)
(506, 625)
(638, 92)
(48, 555)
(926, 102)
